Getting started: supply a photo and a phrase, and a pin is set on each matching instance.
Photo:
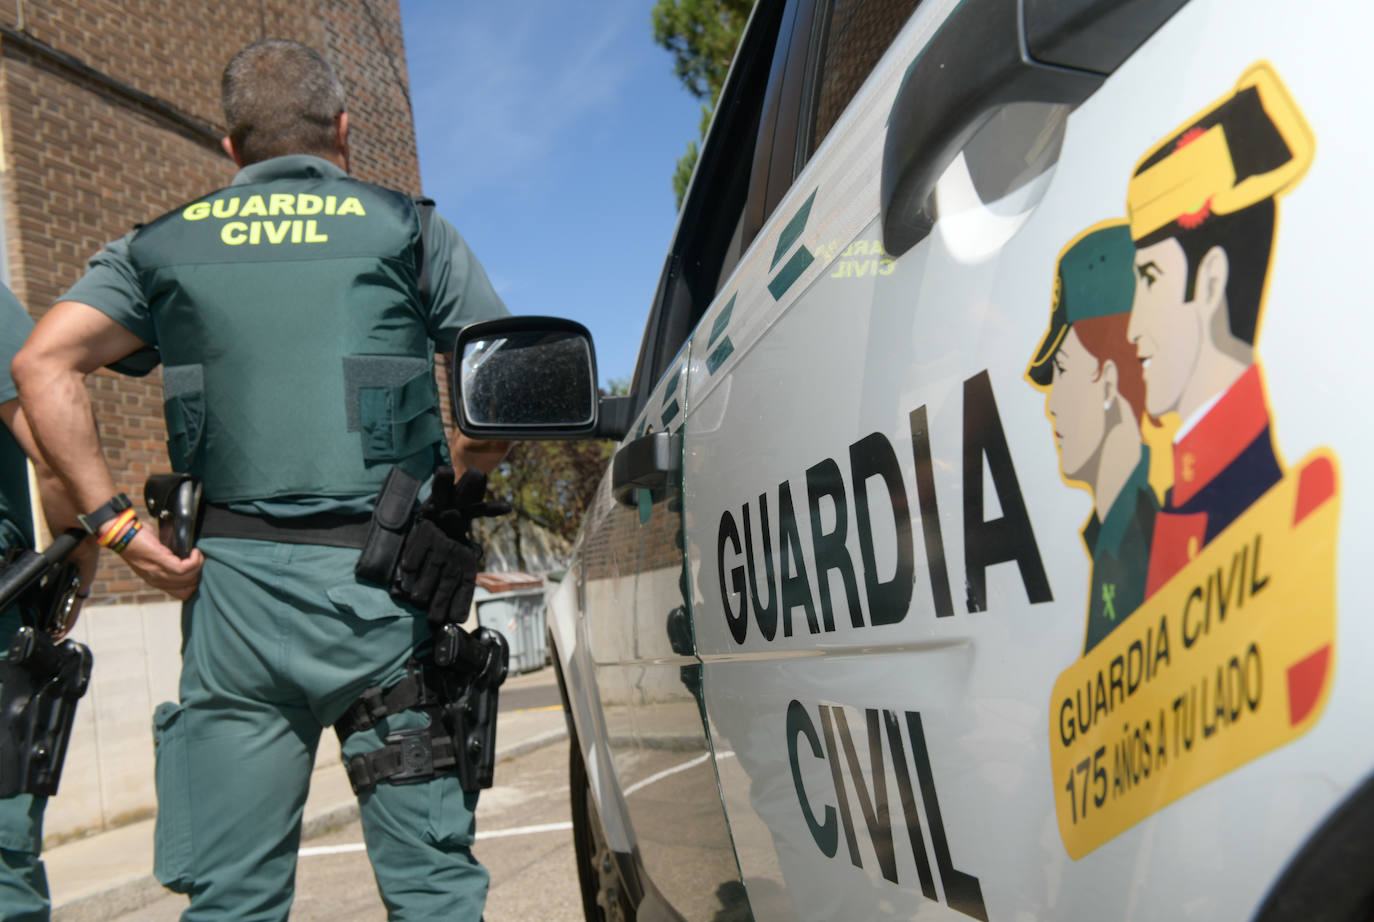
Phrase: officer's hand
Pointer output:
(160, 568)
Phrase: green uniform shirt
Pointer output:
(1120, 548)
(16, 516)
(460, 293)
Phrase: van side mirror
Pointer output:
(525, 378)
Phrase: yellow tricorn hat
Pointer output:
(1249, 145)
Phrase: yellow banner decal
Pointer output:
(1230, 659)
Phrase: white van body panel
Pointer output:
(846, 353)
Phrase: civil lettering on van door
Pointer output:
(826, 820)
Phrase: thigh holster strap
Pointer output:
(376, 702)
(408, 757)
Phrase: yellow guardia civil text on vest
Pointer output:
(293, 339)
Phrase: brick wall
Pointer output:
(84, 161)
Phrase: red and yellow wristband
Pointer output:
(119, 532)
(114, 524)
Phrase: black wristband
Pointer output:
(93, 521)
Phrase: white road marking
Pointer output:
(317, 850)
(524, 830)
(653, 779)
(690, 763)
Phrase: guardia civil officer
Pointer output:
(296, 314)
(23, 883)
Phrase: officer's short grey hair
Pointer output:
(280, 97)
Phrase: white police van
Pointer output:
(983, 540)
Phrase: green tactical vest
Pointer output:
(295, 355)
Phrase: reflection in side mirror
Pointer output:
(525, 378)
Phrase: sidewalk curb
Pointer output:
(135, 893)
(547, 738)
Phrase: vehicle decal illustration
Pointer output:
(1211, 615)
(1096, 401)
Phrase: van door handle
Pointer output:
(651, 462)
(988, 54)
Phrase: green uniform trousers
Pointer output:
(277, 642)
(23, 883)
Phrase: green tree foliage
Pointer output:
(702, 35)
(548, 484)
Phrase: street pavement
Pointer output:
(108, 876)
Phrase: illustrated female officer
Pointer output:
(1095, 398)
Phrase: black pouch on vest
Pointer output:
(177, 502)
(391, 519)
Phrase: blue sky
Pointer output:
(548, 132)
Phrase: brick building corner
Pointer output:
(110, 116)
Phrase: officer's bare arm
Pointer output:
(72, 340)
(473, 453)
(467, 452)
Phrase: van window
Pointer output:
(708, 242)
(856, 33)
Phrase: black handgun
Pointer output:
(40, 683)
(40, 679)
(44, 584)
(478, 662)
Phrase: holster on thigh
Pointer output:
(458, 695)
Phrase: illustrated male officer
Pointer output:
(296, 314)
(23, 882)
(1096, 400)
(1203, 216)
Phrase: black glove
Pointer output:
(439, 561)
(454, 505)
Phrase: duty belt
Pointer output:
(327, 528)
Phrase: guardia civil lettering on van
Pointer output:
(762, 560)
